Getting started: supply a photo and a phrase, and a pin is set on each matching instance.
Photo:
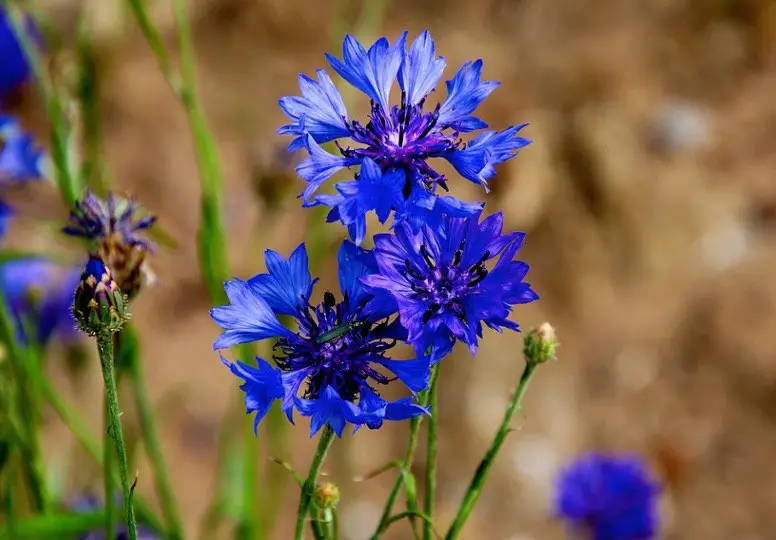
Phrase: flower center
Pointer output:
(335, 347)
(444, 285)
(404, 137)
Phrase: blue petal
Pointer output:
(319, 166)
(414, 374)
(288, 284)
(15, 68)
(420, 69)
(248, 318)
(329, 408)
(5, 217)
(371, 71)
(476, 162)
(19, 157)
(320, 111)
(262, 386)
(353, 263)
(465, 93)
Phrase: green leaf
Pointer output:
(54, 526)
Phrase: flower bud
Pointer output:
(326, 496)
(540, 345)
(99, 305)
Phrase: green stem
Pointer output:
(80, 430)
(481, 474)
(108, 478)
(67, 181)
(305, 497)
(409, 454)
(23, 363)
(129, 343)
(431, 456)
(105, 350)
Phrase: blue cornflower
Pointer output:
(441, 282)
(5, 216)
(40, 292)
(20, 158)
(14, 69)
(113, 228)
(397, 142)
(328, 368)
(608, 497)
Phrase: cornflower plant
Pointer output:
(444, 272)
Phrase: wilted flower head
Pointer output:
(607, 497)
(14, 68)
(443, 283)
(39, 294)
(396, 144)
(337, 354)
(113, 227)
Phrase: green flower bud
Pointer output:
(326, 496)
(540, 345)
(99, 305)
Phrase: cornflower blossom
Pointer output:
(443, 285)
(395, 146)
(329, 368)
(15, 68)
(607, 497)
(20, 158)
(114, 228)
(39, 294)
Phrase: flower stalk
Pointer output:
(308, 488)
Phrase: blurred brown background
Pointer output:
(649, 200)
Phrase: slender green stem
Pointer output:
(108, 478)
(105, 349)
(129, 346)
(406, 463)
(431, 456)
(481, 474)
(23, 362)
(305, 497)
(80, 430)
(67, 181)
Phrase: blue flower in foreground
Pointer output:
(20, 159)
(40, 292)
(608, 498)
(329, 367)
(90, 503)
(14, 69)
(397, 142)
(442, 284)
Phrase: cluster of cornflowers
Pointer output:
(444, 271)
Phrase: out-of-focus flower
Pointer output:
(397, 143)
(39, 294)
(441, 282)
(606, 497)
(14, 67)
(334, 356)
(113, 229)
(90, 503)
(20, 159)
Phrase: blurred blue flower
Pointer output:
(90, 503)
(14, 69)
(5, 216)
(441, 282)
(398, 141)
(335, 356)
(40, 292)
(606, 497)
(20, 159)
